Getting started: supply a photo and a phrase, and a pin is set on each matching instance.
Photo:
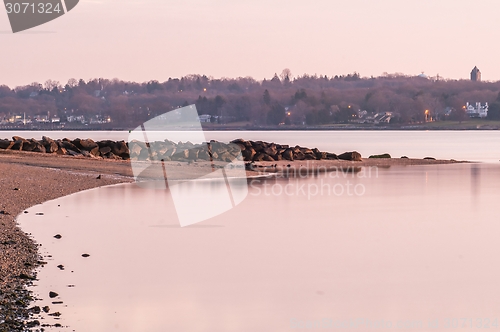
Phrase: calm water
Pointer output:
(461, 145)
(400, 248)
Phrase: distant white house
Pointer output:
(55, 120)
(42, 118)
(205, 118)
(79, 118)
(383, 117)
(100, 119)
(477, 111)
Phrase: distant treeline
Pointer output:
(306, 99)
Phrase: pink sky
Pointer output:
(141, 40)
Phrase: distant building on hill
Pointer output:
(477, 111)
(475, 75)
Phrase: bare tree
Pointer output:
(286, 75)
(49, 85)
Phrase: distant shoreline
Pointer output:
(470, 127)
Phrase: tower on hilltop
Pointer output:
(475, 75)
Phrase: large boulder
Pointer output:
(248, 153)
(29, 145)
(323, 155)
(203, 154)
(193, 154)
(299, 155)
(181, 155)
(271, 150)
(50, 145)
(68, 145)
(135, 149)
(288, 154)
(380, 156)
(120, 149)
(5, 144)
(85, 144)
(350, 156)
(105, 150)
(38, 147)
(95, 152)
(169, 153)
(331, 156)
(258, 146)
(18, 143)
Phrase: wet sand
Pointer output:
(28, 179)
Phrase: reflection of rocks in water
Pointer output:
(475, 175)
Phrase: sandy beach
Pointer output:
(29, 179)
(32, 178)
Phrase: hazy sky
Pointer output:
(141, 40)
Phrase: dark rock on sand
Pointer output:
(36, 310)
(350, 156)
(53, 294)
(24, 276)
(380, 156)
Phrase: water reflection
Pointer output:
(412, 249)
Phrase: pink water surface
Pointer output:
(413, 249)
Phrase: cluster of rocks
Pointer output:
(217, 151)
(170, 151)
(77, 147)
(187, 152)
(263, 151)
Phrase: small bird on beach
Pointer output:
(99, 177)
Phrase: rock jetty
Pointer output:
(170, 151)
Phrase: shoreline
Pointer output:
(339, 127)
(31, 178)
